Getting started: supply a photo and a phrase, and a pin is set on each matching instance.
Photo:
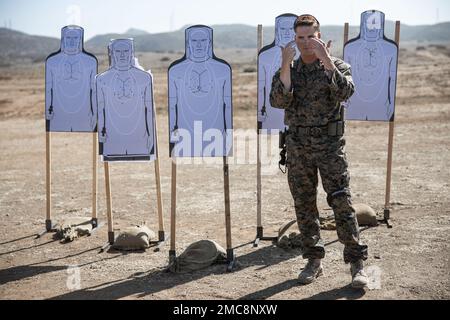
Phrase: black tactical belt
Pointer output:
(332, 129)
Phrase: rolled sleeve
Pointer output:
(280, 96)
(341, 81)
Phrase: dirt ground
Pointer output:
(412, 260)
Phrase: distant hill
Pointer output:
(18, 44)
(143, 42)
(225, 36)
(244, 36)
(15, 44)
(136, 32)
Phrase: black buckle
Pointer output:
(315, 131)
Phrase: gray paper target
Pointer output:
(200, 99)
(374, 60)
(269, 62)
(125, 107)
(69, 85)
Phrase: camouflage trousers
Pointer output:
(306, 157)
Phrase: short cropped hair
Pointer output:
(307, 20)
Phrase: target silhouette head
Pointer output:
(72, 39)
(199, 43)
(284, 29)
(372, 25)
(122, 53)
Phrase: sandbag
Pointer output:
(134, 238)
(197, 256)
(73, 228)
(289, 236)
(365, 215)
(327, 223)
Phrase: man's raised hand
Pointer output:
(288, 53)
(322, 52)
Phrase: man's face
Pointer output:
(72, 41)
(199, 44)
(286, 31)
(122, 54)
(303, 36)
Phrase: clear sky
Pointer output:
(46, 17)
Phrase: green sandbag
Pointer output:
(134, 238)
(197, 256)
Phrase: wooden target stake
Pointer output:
(48, 181)
(259, 225)
(109, 204)
(111, 234)
(94, 179)
(387, 210)
(49, 227)
(173, 211)
(226, 184)
(161, 234)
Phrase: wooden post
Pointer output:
(94, 179)
(161, 236)
(48, 167)
(226, 185)
(48, 159)
(390, 145)
(173, 210)
(259, 228)
(109, 204)
(259, 225)
(346, 30)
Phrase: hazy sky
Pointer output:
(46, 17)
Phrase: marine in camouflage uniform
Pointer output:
(316, 144)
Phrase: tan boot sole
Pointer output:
(360, 285)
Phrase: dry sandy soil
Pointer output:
(412, 258)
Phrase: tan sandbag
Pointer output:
(134, 238)
(365, 215)
(288, 228)
(289, 236)
(197, 256)
(73, 228)
(327, 223)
